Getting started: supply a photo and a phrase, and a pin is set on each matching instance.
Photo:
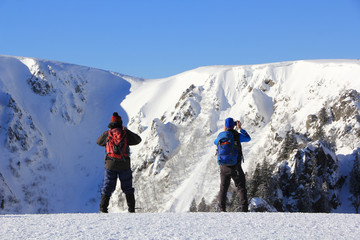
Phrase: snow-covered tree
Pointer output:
(203, 207)
(355, 182)
(193, 207)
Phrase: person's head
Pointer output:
(229, 123)
(115, 121)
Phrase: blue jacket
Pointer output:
(244, 137)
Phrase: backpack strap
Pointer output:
(238, 146)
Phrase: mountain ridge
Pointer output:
(48, 108)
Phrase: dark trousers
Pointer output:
(110, 178)
(237, 174)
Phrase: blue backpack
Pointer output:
(226, 152)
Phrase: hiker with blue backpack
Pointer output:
(229, 158)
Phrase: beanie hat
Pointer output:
(116, 118)
(229, 123)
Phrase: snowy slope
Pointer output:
(189, 109)
(181, 226)
(52, 113)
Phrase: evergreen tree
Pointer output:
(322, 163)
(263, 184)
(314, 188)
(193, 207)
(202, 206)
(284, 185)
(323, 119)
(268, 187)
(300, 183)
(289, 144)
(214, 205)
(355, 182)
(304, 199)
(254, 182)
(284, 178)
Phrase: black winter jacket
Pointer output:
(124, 164)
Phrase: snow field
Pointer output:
(181, 226)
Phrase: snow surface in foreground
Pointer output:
(181, 226)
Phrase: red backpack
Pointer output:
(116, 144)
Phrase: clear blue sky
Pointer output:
(160, 38)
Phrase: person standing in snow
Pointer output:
(117, 162)
(235, 172)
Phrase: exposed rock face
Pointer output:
(305, 176)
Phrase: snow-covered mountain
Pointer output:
(303, 117)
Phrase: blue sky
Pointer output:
(160, 38)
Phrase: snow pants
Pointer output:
(110, 178)
(237, 174)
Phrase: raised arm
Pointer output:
(133, 138)
(244, 136)
(101, 141)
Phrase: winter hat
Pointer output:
(116, 118)
(229, 123)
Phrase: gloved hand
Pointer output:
(238, 125)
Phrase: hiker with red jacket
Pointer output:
(117, 162)
(229, 158)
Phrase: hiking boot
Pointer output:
(104, 203)
(244, 208)
(222, 208)
(130, 199)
